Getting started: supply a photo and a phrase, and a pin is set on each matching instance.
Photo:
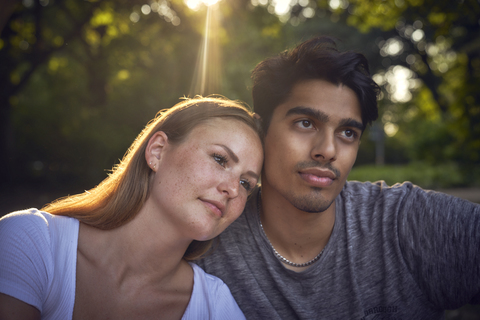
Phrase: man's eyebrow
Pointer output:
(235, 159)
(323, 117)
(349, 122)
(319, 115)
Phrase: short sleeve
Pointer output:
(226, 306)
(25, 257)
(211, 299)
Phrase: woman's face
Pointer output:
(201, 184)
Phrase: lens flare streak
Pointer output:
(207, 75)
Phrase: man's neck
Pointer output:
(297, 235)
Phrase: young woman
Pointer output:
(121, 250)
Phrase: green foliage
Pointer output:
(79, 79)
(378, 13)
(447, 175)
(83, 106)
(442, 121)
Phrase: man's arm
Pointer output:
(441, 246)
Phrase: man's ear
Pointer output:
(155, 148)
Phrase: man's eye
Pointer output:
(351, 134)
(221, 160)
(305, 123)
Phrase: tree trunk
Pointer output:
(6, 144)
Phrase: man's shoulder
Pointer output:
(378, 196)
(374, 197)
(378, 188)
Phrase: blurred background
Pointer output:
(80, 79)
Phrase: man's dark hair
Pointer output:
(317, 58)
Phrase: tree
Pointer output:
(27, 41)
(426, 58)
(87, 75)
(439, 42)
(65, 67)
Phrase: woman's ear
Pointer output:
(155, 148)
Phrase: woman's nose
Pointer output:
(230, 186)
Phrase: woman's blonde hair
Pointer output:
(118, 198)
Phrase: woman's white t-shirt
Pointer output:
(38, 257)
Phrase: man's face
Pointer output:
(311, 145)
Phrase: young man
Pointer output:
(311, 245)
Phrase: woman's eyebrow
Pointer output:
(231, 154)
(235, 159)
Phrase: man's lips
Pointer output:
(317, 177)
(217, 207)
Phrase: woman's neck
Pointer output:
(144, 247)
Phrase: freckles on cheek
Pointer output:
(238, 208)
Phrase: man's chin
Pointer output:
(312, 204)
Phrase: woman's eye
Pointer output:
(246, 185)
(221, 160)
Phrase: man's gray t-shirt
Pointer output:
(395, 253)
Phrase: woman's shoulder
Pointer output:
(24, 247)
(33, 224)
(207, 280)
(28, 220)
(25, 232)
(211, 297)
(35, 245)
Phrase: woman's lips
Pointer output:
(216, 207)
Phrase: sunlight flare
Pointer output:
(207, 75)
(195, 4)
